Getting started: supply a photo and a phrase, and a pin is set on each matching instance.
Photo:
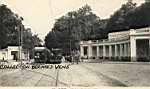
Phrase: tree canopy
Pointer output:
(83, 24)
(8, 21)
(68, 30)
(118, 22)
(139, 17)
(129, 16)
(11, 26)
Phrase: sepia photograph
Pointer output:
(69, 44)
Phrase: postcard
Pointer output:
(74, 44)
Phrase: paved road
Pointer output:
(77, 75)
(132, 74)
(81, 75)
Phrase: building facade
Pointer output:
(133, 45)
(13, 53)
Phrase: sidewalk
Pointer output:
(111, 62)
(119, 62)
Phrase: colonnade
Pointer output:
(106, 51)
(134, 44)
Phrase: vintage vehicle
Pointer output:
(44, 55)
(58, 55)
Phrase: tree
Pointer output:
(68, 30)
(11, 28)
(30, 41)
(37, 41)
(140, 17)
(8, 22)
(117, 21)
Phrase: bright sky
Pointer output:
(40, 15)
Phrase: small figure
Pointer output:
(3, 58)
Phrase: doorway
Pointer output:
(142, 50)
(15, 55)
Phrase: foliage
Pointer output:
(8, 22)
(84, 25)
(129, 17)
(140, 17)
(117, 21)
(11, 28)
(73, 27)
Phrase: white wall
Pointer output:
(6, 53)
(118, 35)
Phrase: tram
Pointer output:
(45, 56)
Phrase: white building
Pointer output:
(13, 52)
(133, 44)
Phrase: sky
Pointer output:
(40, 15)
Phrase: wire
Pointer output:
(51, 12)
(51, 9)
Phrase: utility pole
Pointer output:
(20, 29)
(20, 43)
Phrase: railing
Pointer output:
(121, 38)
(144, 30)
(104, 40)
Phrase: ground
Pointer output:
(81, 75)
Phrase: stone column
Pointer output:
(149, 49)
(89, 51)
(81, 51)
(133, 48)
(110, 51)
(121, 52)
(125, 50)
(97, 51)
(104, 51)
(116, 50)
(129, 50)
(8, 54)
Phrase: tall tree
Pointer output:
(30, 41)
(140, 17)
(117, 20)
(8, 22)
(71, 28)
(11, 28)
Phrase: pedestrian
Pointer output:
(3, 59)
(77, 56)
(72, 56)
(63, 59)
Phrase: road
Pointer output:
(76, 75)
(81, 75)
